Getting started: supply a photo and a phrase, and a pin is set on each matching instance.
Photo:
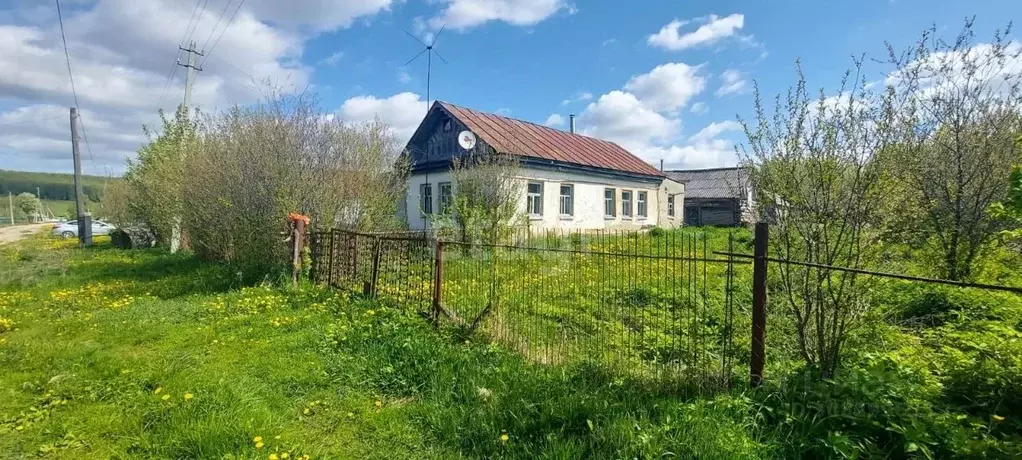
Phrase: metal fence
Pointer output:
(656, 305)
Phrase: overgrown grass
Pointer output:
(102, 348)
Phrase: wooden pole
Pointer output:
(759, 300)
(84, 220)
(438, 278)
(376, 267)
(299, 243)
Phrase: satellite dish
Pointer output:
(466, 140)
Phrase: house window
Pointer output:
(609, 202)
(447, 125)
(626, 203)
(567, 200)
(670, 205)
(641, 204)
(445, 198)
(426, 198)
(534, 199)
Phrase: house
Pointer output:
(567, 180)
(719, 196)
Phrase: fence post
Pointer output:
(298, 241)
(438, 278)
(330, 260)
(759, 297)
(374, 277)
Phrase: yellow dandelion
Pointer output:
(257, 439)
(504, 437)
(166, 397)
(274, 457)
(259, 445)
(188, 396)
(285, 455)
(306, 411)
(379, 404)
(158, 390)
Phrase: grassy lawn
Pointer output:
(140, 354)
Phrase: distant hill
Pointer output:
(52, 186)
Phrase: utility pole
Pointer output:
(175, 231)
(84, 219)
(190, 76)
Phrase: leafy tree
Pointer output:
(814, 161)
(155, 175)
(28, 203)
(956, 148)
(485, 198)
(1010, 210)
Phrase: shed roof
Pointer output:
(713, 183)
(526, 139)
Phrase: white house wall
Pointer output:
(588, 201)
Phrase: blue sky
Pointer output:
(673, 97)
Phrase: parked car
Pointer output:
(70, 229)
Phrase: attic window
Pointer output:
(447, 125)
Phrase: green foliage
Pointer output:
(155, 176)
(52, 186)
(28, 204)
(88, 348)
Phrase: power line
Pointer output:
(74, 93)
(67, 56)
(218, 19)
(236, 10)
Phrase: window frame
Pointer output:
(626, 204)
(532, 200)
(426, 199)
(561, 201)
(610, 203)
(670, 205)
(445, 200)
(642, 204)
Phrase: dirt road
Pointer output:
(17, 232)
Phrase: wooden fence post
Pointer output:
(330, 259)
(438, 278)
(375, 276)
(759, 300)
(298, 240)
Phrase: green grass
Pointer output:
(100, 346)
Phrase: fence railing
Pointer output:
(658, 306)
(663, 305)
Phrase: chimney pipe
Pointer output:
(661, 164)
(571, 123)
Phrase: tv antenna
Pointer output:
(430, 51)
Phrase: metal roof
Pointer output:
(713, 183)
(522, 138)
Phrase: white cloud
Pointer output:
(403, 77)
(402, 112)
(122, 52)
(667, 87)
(716, 28)
(732, 83)
(620, 117)
(581, 96)
(464, 14)
(332, 59)
(554, 120)
(715, 129)
(699, 108)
